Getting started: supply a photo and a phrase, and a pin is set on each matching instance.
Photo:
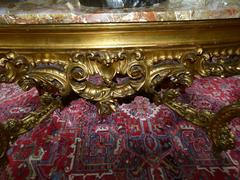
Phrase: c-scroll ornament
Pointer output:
(108, 65)
(160, 78)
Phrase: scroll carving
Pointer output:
(139, 70)
(146, 70)
(46, 75)
(108, 65)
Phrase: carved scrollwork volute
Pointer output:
(170, 72)
(49, 75)
(108, 65)
(12, 67)
(194, 62)
(218, 129)
(217, 63)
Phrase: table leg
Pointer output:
(215, 124)
(13, 128)
(146, 70)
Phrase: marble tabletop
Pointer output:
(71, 11)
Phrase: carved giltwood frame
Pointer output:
(59, 59)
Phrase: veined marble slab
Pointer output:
(70, 11)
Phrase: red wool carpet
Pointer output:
(140, 141)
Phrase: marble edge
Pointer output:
(61, 17)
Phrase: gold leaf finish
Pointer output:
(160, 59)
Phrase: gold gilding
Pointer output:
(156, 58)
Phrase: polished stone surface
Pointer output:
(70, 11)
(116, 4)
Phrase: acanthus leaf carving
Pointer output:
(140, 71)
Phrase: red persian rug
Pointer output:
(140, 141)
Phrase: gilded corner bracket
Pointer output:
(121, 73)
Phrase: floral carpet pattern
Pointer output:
(139, 141)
